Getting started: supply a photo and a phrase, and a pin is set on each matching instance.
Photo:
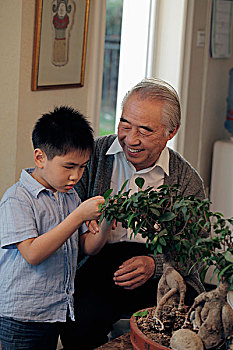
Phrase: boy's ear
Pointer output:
(39, 157)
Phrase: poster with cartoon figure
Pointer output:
(60, 41)
(62, 22)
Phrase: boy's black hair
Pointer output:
(62, 131)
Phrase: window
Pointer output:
(111, 66)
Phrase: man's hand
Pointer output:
(134, 272)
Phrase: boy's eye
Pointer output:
(68, 167)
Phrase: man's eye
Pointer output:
(145, 132)
(125, 126)
(68, 167)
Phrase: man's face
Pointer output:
(62, 172)
(141, 133)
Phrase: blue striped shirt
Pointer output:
(43, 292)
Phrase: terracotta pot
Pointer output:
(139, 340)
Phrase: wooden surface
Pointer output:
(121, 343)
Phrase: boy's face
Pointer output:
(62, 172)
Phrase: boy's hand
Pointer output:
(93, 226)
(89, 209)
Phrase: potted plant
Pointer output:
(188, 234)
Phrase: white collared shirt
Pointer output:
(124, 170)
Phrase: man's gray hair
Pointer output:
(159, 90)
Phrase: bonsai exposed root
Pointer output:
(213, 316)
(171, 289)
(227, 320)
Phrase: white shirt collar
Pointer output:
(114, 148)
(162, 161)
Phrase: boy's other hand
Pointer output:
(93, 226)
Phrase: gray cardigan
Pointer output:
(96, 180)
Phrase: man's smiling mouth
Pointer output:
(134, 150)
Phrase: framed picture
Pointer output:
(60, 41)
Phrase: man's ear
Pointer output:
(39, 157)
(172, 133)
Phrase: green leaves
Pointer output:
(162, 241)
(107, 193)
(155, 211)
(175, 225)
(229, 257)
(141, 313)
(139, 182)
(168, 216)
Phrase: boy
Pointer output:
(41, 224)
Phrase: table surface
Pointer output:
(121, 343)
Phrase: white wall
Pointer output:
(10, 38)
(206, 96)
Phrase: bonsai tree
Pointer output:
(213, 317)
(188, 234)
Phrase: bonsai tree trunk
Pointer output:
(171, 289)
(213, 316)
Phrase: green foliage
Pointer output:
(182, 228)
(141, 313)
(113, 17)
(217, 250)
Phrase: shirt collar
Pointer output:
(115, 147)
(162, 161)
(32, 185)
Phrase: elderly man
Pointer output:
(123, 277)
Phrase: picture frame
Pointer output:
(60, 42)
